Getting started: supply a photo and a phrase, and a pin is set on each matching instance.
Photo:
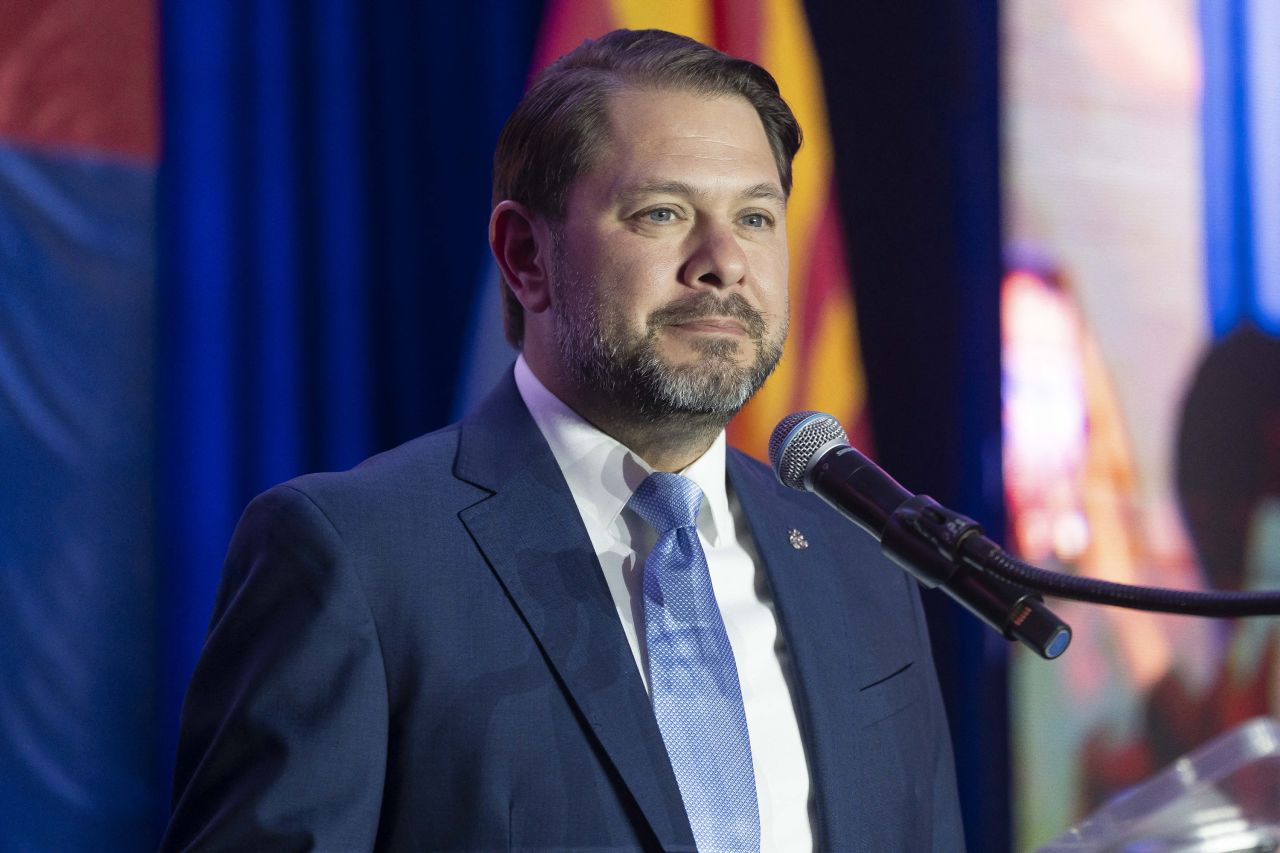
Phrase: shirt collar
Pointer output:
(602, 473)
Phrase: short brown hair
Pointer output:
(556, 131)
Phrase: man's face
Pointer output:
(669, 272)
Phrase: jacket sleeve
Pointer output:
(283, 736)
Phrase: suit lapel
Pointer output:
(533, 537)
(812, 597)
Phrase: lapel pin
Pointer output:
(797, 540)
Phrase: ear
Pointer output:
(521, 246)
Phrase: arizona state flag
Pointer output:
(821, 367)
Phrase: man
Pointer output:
(523, 631)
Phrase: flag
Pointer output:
(78, 152)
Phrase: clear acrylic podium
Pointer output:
(1222, 798)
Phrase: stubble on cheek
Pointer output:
(607, 350)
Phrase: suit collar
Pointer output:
(533, 537)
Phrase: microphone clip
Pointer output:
(931, 542)
(924, 538)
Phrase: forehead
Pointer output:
(710, 141)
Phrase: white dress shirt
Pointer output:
(602, 474)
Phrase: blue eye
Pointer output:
(660, 214)
(755, 220)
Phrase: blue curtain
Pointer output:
(323, 209)
(1241, 124)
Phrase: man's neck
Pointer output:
(671, 443)
(667, 441)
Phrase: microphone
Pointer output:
(939, 548)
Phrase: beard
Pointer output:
(604, 353)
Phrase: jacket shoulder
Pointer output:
(416, 478)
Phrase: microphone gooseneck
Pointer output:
(810, 452)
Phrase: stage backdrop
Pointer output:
(1141, 374)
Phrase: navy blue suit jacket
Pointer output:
(421, 653)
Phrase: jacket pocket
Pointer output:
(888, 696)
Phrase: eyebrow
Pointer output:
(763, 191)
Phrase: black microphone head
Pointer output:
(795, 440)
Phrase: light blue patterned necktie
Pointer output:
(693, 678)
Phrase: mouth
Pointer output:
(705, 315)
(713, 325)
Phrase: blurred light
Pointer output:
(1045, 419)
(1147, 44)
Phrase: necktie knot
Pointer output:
(667, 501)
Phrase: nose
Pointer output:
(716, 258)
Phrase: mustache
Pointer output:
(705, 305)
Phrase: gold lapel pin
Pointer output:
(797, 540)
